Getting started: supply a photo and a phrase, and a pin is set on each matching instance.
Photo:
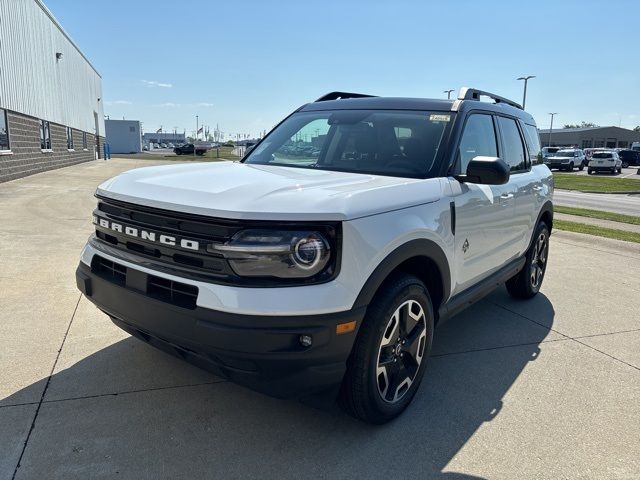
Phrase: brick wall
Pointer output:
(27, 157)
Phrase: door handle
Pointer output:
(506, 196)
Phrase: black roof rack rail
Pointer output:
(467, 93)
(341, 95)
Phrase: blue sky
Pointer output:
(246, 64)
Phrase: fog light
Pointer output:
(305, 340)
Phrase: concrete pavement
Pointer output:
(547, 388)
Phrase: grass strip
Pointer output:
(602, 215)
(596, 183)
(597, 231)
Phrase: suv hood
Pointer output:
(242, 191)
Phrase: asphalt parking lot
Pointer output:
(547, 388)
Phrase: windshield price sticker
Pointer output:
(434, 117)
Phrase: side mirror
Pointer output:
(486, 171)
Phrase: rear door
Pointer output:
(484, 213)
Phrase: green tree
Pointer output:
(637, 129)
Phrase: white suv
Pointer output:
(323, 261)
(605, 161)
(566, 159)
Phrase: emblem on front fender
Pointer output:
(465, 245)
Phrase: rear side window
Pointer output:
(533, 143)
(513, 149)
(603, 155)
(478, 139)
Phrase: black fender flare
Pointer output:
(413, 248)
(547, 208)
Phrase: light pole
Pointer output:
(448, 92)
(524, 96)
(197, 127)
(551, 128)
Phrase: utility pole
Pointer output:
(448, 92)
(197, 127)
(524, 96)
(551, 128)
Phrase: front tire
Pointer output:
(526, 284)
(389, 356)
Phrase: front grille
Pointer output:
(191, 259)
(176, 293)
(109, 270)
(198, 264)
(162, 289)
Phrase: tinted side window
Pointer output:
(533, 143)
(478, 139)
(513, 149)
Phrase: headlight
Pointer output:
(277, 253)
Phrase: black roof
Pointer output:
(362, 102)
(381, 103)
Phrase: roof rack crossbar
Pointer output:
(341, 95)
(467, 93)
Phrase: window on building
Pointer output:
(69, 138)
(84, 140)
(132, 129)
(478, 139)
(611, 142)
(623, 144)
(45, 135)
(513, 148)
(598, 144)
(587, 143)
(4, 130)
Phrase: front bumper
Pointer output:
(601, 168)
(263, 353)
(558, 164)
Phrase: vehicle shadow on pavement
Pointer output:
(220, 430)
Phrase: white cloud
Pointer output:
(118, 102)
(168, 104)
(154, 83)
(204, 104)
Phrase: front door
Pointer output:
(485, 229)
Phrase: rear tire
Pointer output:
(389, 356)
(178, 152)
(526, 284)
(571, 167)
(589, 171)
(581, 167)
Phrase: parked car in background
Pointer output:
(567, 159)
(188, 149)
(605, 161)
(635, 146)
(629, 157)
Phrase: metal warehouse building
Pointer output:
(590, 137)
(50, 95)
(124, 136)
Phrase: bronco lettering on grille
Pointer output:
(147, 235)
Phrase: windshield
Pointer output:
(603, 155)
(564, 153)
(393, 143)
